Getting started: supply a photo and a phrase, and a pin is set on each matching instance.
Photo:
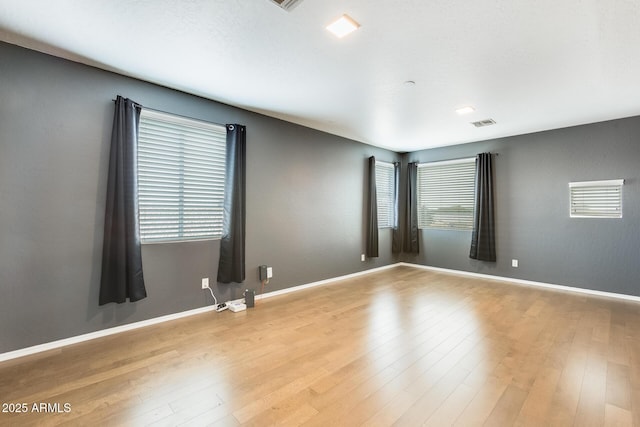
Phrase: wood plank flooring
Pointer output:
(402, 347)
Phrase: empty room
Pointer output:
(303, 212)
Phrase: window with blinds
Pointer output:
(596, 199)
(385, 194)
(446, 194)
(181, 174)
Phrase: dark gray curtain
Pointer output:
(396, 242)
(411, 241)
(231, 266)
(372, 211)
(121, 253)
(483, 242)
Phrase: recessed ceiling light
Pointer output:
(465, 110)
(343, 26)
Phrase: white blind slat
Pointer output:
(385, 194)
(181, 174)
(596, 199)
(446, 195)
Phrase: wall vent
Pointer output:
(287, 4)
(483, 123)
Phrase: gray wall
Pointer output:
(304, 202)
(532, 200)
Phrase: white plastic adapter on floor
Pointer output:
(236, 306)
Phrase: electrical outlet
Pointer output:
(269, 272)
(362, 257)
(514, 263)
(205, 282)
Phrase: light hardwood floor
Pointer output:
(399, 347)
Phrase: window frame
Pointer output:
(194, 185)
(468, 201)
(391, 196)
(595, 195)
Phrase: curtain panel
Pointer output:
(121, 276)
(396, 242)
(231, 265)
(411, 238)
(372, 211)
(483, 242)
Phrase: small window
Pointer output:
(181, 174)
(386, 194)
(446, 194)
(596, 199)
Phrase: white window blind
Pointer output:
(385, 194)
(181, 174)
(446, 194)
(596, 199)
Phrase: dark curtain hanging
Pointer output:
(372, 211)
(411, 241)
(396, 242)
(483, 243)
(231, 266)
(121, 276)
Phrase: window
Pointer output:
(181, 173)
(596, 199)
(446, 194)
(386, 194)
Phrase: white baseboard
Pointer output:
(526, 282)
(99, 334)
(131, 326)
(324, 282)
(123, 328)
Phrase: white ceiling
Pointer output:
(528, 64)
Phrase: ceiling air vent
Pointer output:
(286, 4)
(483, 123)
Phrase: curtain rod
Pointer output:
(450, 160)
(174, 114)
(138, 105)
(388, 163)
